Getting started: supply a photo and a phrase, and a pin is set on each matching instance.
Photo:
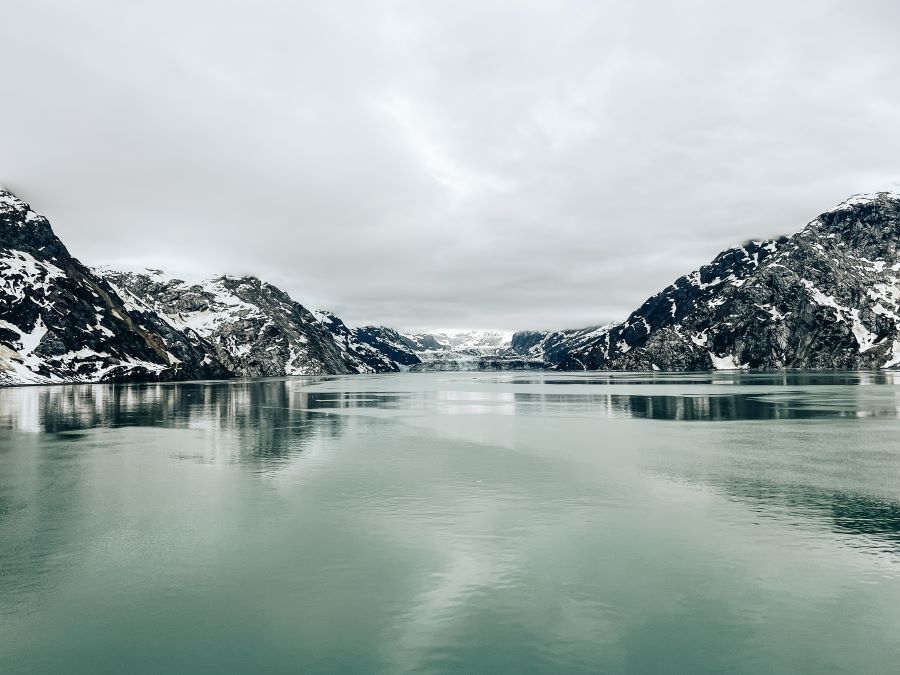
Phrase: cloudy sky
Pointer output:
(444, 164)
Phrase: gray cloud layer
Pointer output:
(420, 164)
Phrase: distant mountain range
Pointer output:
(827, 297)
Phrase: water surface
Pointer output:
(453, 522)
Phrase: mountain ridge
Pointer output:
(60, 323)
(827, 296)
(255, 328)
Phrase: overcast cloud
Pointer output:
(444, 164)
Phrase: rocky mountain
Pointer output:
(422, 342)
(382, 349)
(826, 297)
(255, 328)
(61, 323)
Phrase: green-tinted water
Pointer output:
(453, 522)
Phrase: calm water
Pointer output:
(453, 522)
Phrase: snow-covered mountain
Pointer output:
(826, 297)
(467, 350)
(485, 341)
(255, 328)
(61, 323)
(383, 349)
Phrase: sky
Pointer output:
(505, 165)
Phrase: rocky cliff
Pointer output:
(826, 297)
(59, 322)
(255, 328)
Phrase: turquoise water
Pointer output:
(453, 522)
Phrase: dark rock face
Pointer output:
(61, 323)
(389, 342)
(379, 349)
(255, 328)
(423, 342)
(827, 297)
(524, 341)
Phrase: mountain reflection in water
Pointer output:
(454, 522)
(280, 409)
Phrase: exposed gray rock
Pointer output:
(61, 323)
(381, 349)
(255, 328)
(827, 297)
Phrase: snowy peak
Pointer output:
(867, 198)
(61, 323)
(255, 328)
(259, 330)
(462, 340)
(870, 224)
(468, 350)
(826, 297)
(18, 213)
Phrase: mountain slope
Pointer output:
(379, 348)
(255, 328)
(389, 343)
(827, 297)
(61, 323)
